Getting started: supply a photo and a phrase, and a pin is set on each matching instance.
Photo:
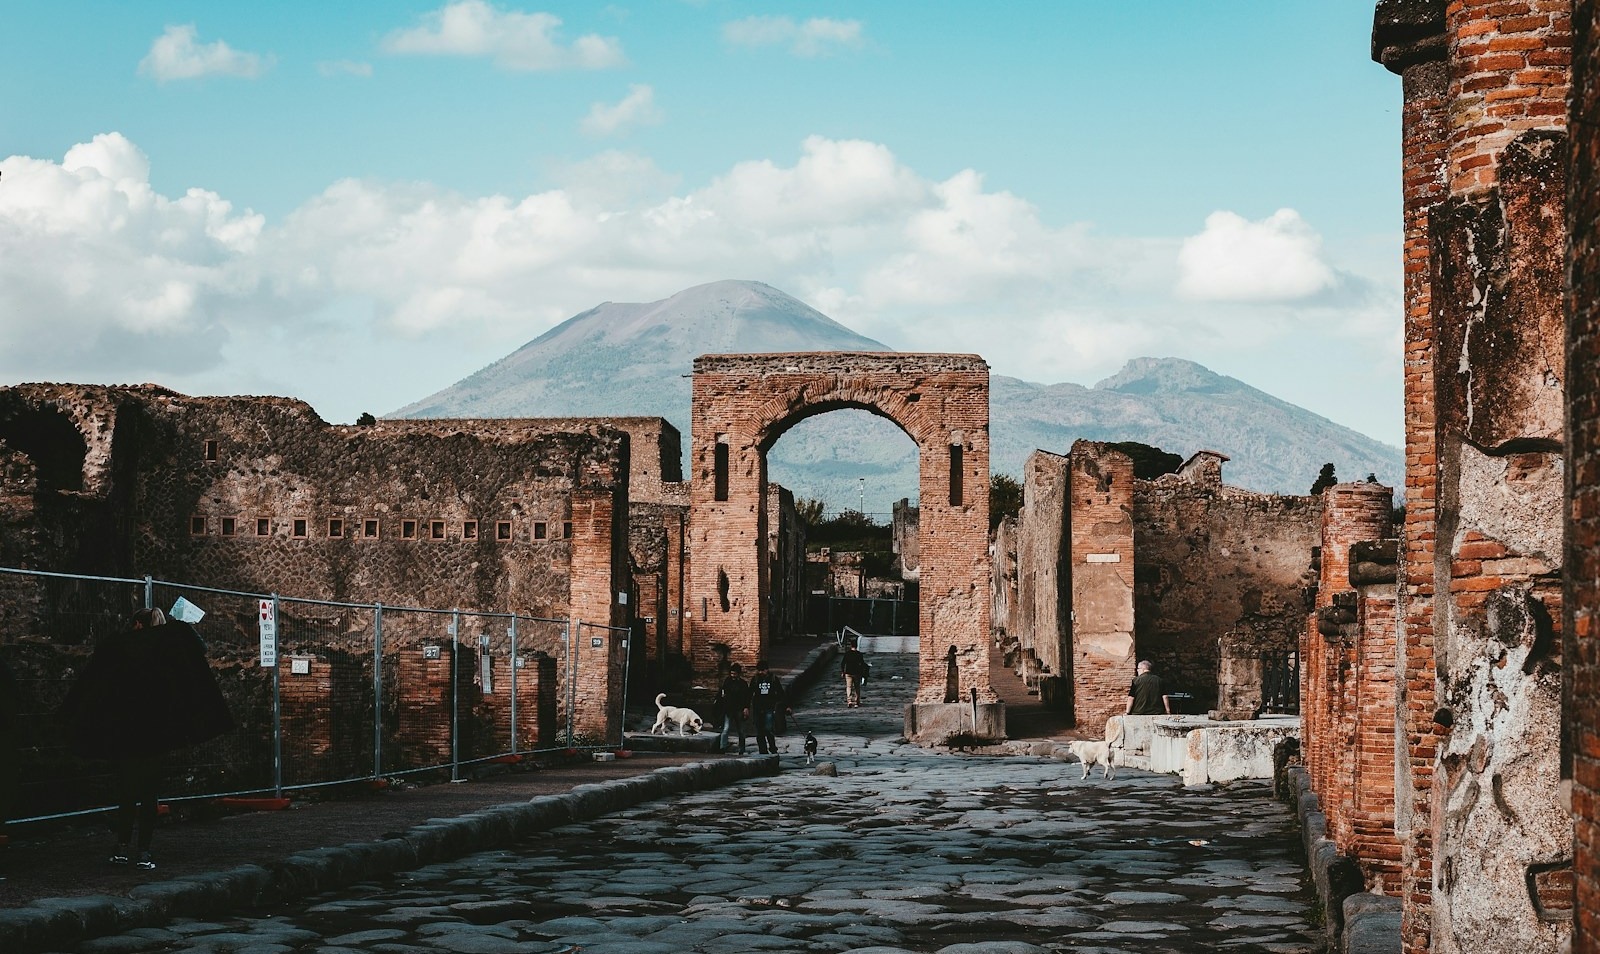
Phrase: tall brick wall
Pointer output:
(1099, 574)
(1582, 602)
(1484, 172)
(744, 403)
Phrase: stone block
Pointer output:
(952, 723)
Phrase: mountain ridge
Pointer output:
(634, 359)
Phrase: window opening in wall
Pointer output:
(335, 527)
(263, 527)
(370, 527)
(469, 530)
(230, 526)
(436, 529)
(211, 450)
(566, 529)
(301, 527)
(408, 529)
(955, 475)
(502, 530)
(540, 531)
(721, 471)
(197, 526)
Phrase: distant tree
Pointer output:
(1005, 498)
(1325, 480)
(1149, 462)
(810, 510)
(366, 419)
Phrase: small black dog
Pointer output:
(811, 747)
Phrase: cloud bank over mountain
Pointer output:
(372, 291)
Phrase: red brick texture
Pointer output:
(1582, 597)
(1100, 577)
(745, 403)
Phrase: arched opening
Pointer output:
(743, 404)
(51, 440)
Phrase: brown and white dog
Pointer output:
(686, 718)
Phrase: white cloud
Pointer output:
(1276, 259)
(175, 55)
(818, 36)
(344, 68)
(100, 274)
(514, 40)
(638, 108)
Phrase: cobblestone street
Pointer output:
(903, 850)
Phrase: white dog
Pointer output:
(1095, 753)
(684, 717)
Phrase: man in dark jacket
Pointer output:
(733, 699)
(146, 691)
(1144, 694)
(766, 699)
(854, 668)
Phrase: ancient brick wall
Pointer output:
(786, 560)
(1099, 576)
(1582, 602)
(1484, 173)
(260, 495)
(1214, 561)
(744, 403)
(904, 537)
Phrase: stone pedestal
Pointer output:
(951, 723)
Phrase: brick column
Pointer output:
(599, 530)
(1408, 38)
(1582, 602)
(1100, 578)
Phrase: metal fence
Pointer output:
(1280, 682)
(881, 617)
(330, 693)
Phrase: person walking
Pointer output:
(854, 668)
(733, 699)
(766, 699)
(145, 692)
(1144, 694)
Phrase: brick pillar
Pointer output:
(1351, 514)
(1582, 598)
(1100, 577)
(1408, 38)
(599, 531)
(306, 706)
(1496, 338)
(535, 675)
(426, 701)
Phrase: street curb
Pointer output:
(54, 923)
(1355, 921)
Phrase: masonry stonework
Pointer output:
(744, 403)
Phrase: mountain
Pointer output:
(634, 359)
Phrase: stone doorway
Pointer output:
(742, 405)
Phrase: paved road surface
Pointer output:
(902, 850)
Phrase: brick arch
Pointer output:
(745, 402)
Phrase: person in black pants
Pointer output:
(734, 701)
(145, 692)
(766, 699)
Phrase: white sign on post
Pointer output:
(269, 635)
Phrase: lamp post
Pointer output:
(863, 495)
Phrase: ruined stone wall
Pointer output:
(1040, 623)
(786, 557)
(260, 495)
(1099, 575)
(1215, 562)
(1582, 602)
(904, 538)
(1485, 179)
(744, 403)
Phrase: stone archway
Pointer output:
(744, 402)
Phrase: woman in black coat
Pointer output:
(145, 692)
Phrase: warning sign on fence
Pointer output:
(269, 634)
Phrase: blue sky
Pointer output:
(360, 203)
